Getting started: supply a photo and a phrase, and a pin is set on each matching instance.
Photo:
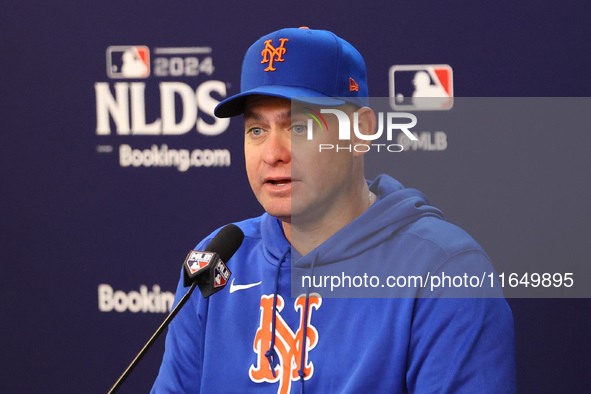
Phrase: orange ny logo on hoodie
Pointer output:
(279, 351)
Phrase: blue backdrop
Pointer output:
(96, 218)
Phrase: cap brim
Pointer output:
(233, 106)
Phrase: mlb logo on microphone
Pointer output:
(421, 87)
(221, 274)
(197, 260)
(128, 61)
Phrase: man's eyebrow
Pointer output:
(254, 115)
(299, 112)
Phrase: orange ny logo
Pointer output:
(271, 54)
(287, 345)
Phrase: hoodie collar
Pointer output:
(274, 241)
(394, 208)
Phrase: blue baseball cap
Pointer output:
(300, 63)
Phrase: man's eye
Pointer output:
(298, 129)
(256, 131)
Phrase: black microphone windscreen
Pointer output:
(226, 242)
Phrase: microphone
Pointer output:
(209, 272)
(208, 268)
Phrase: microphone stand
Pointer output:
(153, 339)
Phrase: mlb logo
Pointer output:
(221, 274)
(127, 61)
(421, 87)
(198, 260)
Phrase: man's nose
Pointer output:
(277, 147)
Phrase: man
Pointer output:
(321, 216)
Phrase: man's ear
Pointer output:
(366, 124)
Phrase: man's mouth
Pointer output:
(278, 181)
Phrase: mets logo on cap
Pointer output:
(271, 54)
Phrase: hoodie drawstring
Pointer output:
(305, 330)
(270, 354)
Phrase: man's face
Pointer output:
(267, 152)
(291, 179)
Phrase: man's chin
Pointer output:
(288, 211)
(281, 212)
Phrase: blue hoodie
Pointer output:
(248, 337)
